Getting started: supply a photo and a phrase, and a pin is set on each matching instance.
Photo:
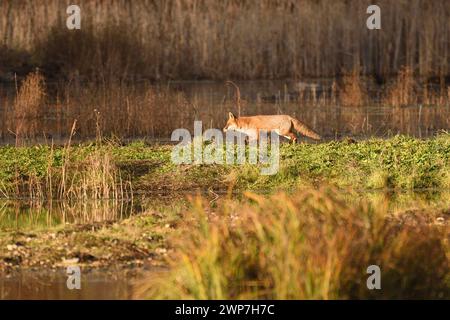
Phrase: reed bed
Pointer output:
(95, 178)
(41, 113)
(313, 244)
(59, 174)
(196, 39)
(353, 92)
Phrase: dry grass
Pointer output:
(29, 107)
(95, 178)
(353, 93)
(229, 39)
(403, 91)
(432, 97)
(143, 110)
(407, 90)
(309, 245)
(102, 69)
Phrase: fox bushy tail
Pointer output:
(304, 130)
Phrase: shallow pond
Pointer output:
(97, 284)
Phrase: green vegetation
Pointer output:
(399, 162)
(312, 244)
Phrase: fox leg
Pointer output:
(293, 137)
(286, 131)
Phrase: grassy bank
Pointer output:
(111, 170)
(313, 244)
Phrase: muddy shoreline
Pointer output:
(138, 241)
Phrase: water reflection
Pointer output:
(25, 214)
(33, 215)
(53, 285)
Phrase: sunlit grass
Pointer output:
(104, 170)
(306, 245)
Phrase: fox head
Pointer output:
(231, 123)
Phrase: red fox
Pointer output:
(283, 125)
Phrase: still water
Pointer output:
(26, 215)
(44, 285)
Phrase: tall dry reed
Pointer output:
(94, 176)
(352, 93)
(310, 245)
(403, 91)
(144, 110)
(230, 39)
(29, 106)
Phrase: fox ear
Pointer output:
(231, 115)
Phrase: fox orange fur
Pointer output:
(283, 125)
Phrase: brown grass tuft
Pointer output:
(353, 93)
(403, 91)
(29, 106)
(310, 245)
